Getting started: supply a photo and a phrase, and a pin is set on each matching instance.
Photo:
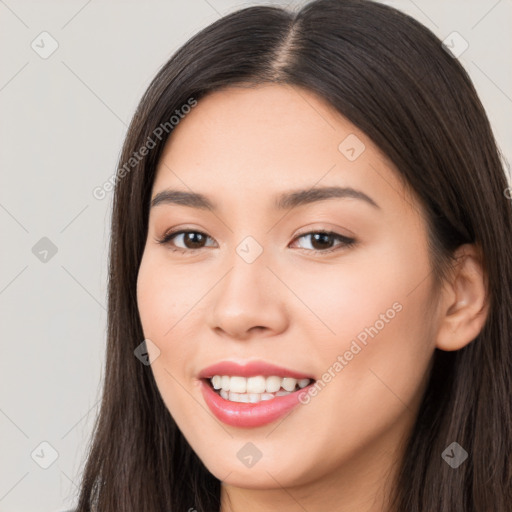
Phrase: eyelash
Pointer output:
(346, 242)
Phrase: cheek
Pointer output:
(373, 289)
(375, 364)
(373, 311)
(164, 296)
(162, 301)
(165, 304)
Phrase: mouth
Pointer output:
(255, 389)
(252, 394)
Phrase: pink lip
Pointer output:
(239, 414)
(250, 369)
(247, 415)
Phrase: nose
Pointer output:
(249, 299)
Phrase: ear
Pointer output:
(464, 301)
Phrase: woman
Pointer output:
(310, 277)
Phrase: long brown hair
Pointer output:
(391, 77)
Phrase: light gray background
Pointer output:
(63, 120)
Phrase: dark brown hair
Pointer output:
(391, 77)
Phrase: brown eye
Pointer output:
(193, 240)
(190, 239)
(323, 241)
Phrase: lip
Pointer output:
(249, 415)
(250, 369)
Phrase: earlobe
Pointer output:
(465, 298)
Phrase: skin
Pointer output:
(295, 306)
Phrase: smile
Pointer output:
(252, 394)
(255, 389)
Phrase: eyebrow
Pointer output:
(285, 201)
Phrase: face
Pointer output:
(332, 287)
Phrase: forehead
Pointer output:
(254, 141)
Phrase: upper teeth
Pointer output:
(257, 384)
